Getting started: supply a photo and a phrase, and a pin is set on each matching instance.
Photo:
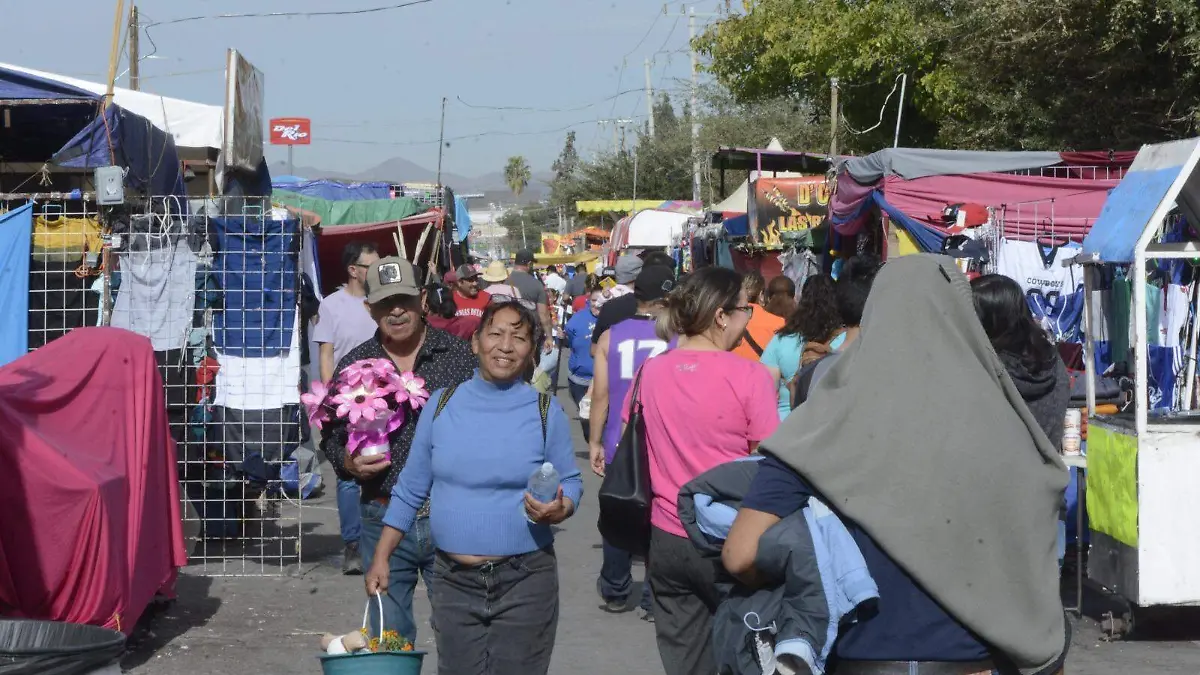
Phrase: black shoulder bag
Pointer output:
(625, 493)
(758, 350)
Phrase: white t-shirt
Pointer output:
(556, 283)
(1023, 261)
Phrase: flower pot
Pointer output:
(380, 663)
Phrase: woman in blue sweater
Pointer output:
(495, 598)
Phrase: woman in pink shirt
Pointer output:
(703, 406)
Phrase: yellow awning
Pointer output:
(617, 205)
(588, 259)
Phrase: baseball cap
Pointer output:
(450, 278)
(628, 267)
(466, 272)
(653, 283)
(524, 257)
(391, 276)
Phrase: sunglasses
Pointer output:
(504, 299)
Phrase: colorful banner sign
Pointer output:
(788, 209)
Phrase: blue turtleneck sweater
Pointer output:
(474, 462)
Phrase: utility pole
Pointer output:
(833, 116)
(441, 143)
(695, 104)
(114, 53)
(900, 110)
(135, 78)
(649, 99)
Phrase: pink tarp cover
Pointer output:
(1025, 201)
(89, 492)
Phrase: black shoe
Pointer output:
(352, 560)
(614, 606)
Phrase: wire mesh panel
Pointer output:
(214, 285)
(65, 277)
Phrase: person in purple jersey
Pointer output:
(619, 353)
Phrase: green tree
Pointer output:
(517, 175)
(998, 74)
(564, 187)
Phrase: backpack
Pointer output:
(803, 381)
(543, 407)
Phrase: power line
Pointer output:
(549, 110)
(254, 15)
(465, 137)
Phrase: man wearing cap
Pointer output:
(343, 324)
(619, 353)
(395, 300)
(620, 308)
(467, 297)
(531, 289)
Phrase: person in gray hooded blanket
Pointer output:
(920, 440)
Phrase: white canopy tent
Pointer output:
(193, 125)
(737, 202)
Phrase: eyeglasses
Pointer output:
(504, 299)
(365, 267)
(748, 309)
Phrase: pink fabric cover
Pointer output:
(89, 491)
(1077, 202)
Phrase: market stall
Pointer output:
(1140, 294)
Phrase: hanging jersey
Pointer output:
(1037, 267)
(1175, 315)
(630, 344)
(1061, 315)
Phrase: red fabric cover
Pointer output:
(1117, 160)
(1077, 202)
(331, 241)
(91, 527)
(765, 263)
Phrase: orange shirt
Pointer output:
(762, 327)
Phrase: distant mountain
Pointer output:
(401, 170)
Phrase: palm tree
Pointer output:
(516, 175)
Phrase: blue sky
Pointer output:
(373, 83)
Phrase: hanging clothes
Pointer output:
(1039, 267)
(157, 295)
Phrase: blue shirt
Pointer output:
(910, 625)
(579, 341)
(473, 463)
(783, 354)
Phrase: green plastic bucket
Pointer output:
(382, 663)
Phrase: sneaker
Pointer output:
(352, 560)
(614, 606)
(646, 615)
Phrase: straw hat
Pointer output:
(495, 272)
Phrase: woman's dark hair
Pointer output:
(527, 318)
(692, 306)
(854, 286)
(1001, 307)
(658, 258)
(591, 283)
(817, 316)
(440, 301)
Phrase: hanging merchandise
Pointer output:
(1038, 265)
(158, 290)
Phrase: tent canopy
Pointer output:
(921, 162)
(333, 190)
(333, 239)
(350, 212)
(1162, 175)
(192, 125)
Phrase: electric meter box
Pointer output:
(110, 185)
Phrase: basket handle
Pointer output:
(367, 614)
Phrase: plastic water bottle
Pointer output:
(543, 486)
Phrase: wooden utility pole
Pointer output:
(649, 99)
(833, 116)
(441, 145)
(114, 52)
(135, 78)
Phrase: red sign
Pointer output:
(291, 131)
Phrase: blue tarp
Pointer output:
(145, 150)
(462, 219)
(16, 230)
(336, 190)
(16, 85)
(926, 237)
(737, 226)
(1131, 205)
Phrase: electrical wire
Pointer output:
(465, 137)
(882, 111)
(606, 99)
(255, 15)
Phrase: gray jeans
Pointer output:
(498, 618)
(685, 599)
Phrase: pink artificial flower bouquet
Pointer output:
(371, 395)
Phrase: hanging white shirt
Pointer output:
(1024, 262)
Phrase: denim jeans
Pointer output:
(616, 580)
(498, 618)
(349, 517)
(414, 555)
(577, 391)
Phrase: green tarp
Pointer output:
(351, 212)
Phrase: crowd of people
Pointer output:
(830, 389)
